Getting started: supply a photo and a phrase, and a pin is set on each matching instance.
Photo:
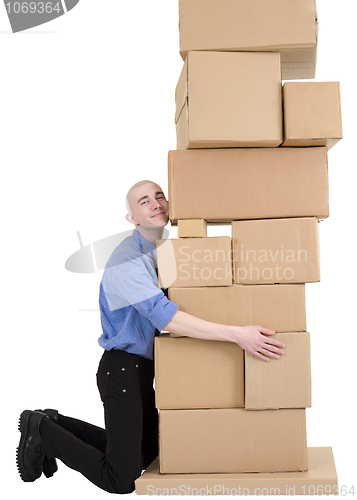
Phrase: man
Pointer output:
(133, 310)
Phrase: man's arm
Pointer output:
(131, 280)
(253, 339)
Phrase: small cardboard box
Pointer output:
(253, 25)
(229, 99)
(320, 478)
(232, 440)
(195, 373)
(192, 228)
(221, 185)
(312, 114)
(281, 383)
(278, 307)
(194, 262)
(276, 251)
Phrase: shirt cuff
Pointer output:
(163, 312)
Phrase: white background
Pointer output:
(87, 109)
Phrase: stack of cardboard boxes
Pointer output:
(244, 158)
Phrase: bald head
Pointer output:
(129, 197)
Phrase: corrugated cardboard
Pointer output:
(284, 382)
(319, 479)
(229, 99)
(312, 114)
(276, 251)
(194, 373)
(192, 228)
(194, 262)
(278, 307)
(248, 25)
(221, 185)
(232, 440)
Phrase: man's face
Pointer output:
(149, 206)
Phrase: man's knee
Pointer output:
(122, 485)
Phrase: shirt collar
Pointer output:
(145, 245)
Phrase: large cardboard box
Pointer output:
(221, 185)
(229, 99)
(232, 440)
(278, 307)
(249, 25)
(194, 373)
(284, 382)
(276, 251)
(312, 114)
(194, 262)
(319, 479)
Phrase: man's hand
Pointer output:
(256, 341)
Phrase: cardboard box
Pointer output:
(276, 251)
(319, 479)
(253, 25)
(229, 99)
(195, 373)
(193, 228)
(312, 114)
(278, 307)
(221, 185)
(284, 382)
(232, 440)
(194, 262)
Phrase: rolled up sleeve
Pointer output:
(130, 283)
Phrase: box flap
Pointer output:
(282, 383)
(181, 92)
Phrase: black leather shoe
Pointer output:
(52, 414)
(29, 455)
(49, 463)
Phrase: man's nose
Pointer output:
(156, 205)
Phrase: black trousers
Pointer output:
(112, 458)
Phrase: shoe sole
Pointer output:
(23, 428)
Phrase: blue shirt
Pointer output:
(133, 308)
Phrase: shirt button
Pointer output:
(124, 390)
(137, 366)
(123, 369)
(108, 373)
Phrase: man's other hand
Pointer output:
(257, 341)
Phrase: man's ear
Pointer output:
(130, 218)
